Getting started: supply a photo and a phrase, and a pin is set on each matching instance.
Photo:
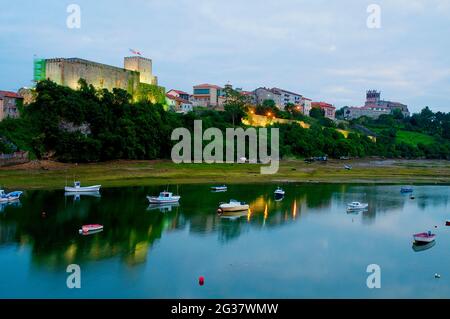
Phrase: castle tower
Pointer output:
(372, 97)
(143, 66)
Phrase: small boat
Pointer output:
(447, 222)
(357, 206)
(9, 197)
(406, 189)
(348, 167)
(424, 237)
(164, 198)
(222, 188)
(90, 229)
(279, 192)
(232, 206)
(78, 188)
(423, 246)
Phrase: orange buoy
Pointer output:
(201, 280)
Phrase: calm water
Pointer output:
(306, 246)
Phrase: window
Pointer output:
(201, 91)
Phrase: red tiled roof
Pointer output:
(208, 86)
(10, 94)
(177, 99)
(322, 105)
(179, 92)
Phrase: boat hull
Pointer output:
(161, 201)
(10, 197)
(89, 229)
(87, 189)
(424, 238)
(225, 208)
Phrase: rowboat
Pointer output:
(357, 206)
(427, 237)
(164, 198)
(232, 206)
(78, 188)
(92, 228)
(279, 191)
(222, 188)
(9, 197)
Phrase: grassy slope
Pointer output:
(414, 138)
(139, 173)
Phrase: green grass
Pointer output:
(414, 138)
(142, 173)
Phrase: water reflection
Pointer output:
(421, 247)
(132, 227)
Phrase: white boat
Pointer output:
(221, 188)
(232, 206)
(164, 198)
(427, 237)
(357, 206)
(9, 197)
(77, 188)
(279, 191)
(348, 167)
(90, 229)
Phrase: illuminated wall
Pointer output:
(68, 72)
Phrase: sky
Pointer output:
(323, 50)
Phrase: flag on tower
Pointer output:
(135, 52)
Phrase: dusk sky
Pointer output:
(321, 49)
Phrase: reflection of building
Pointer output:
(9, 104)
(329, 109)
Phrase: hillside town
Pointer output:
(137, 78)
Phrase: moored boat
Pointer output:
(9, 197)
(221, 188)
(90, 229)
(76, 188)
(424, 237)
(357, 206)
(163, 198)
(232, 206)
(447, 222)
(279, 192)
(348, 167)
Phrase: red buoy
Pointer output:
(201, 280)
